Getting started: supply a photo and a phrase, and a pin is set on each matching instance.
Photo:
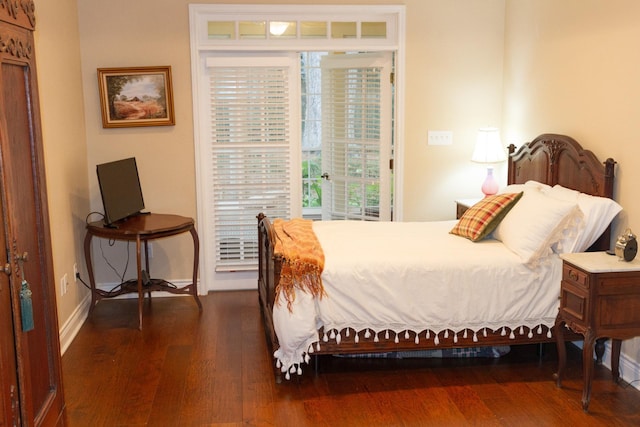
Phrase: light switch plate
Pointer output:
(440, 137)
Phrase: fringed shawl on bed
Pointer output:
(303, 258)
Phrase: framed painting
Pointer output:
(136, 96)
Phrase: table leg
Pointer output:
(140, 291)
(599, 348)
(615, 359)
(587, 367)
(146, 264)
(89, 263)
(196, 259)
(562, 351)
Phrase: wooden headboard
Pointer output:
(559, 159)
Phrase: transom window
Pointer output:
(271, 27)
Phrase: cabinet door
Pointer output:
(9, 403)
(26, 219)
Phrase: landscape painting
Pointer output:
(136, 96)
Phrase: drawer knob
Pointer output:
(573, 275)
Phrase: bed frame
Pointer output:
(550, 158)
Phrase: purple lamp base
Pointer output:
(490, 185)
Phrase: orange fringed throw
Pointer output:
(302, 258)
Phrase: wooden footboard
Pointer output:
(268, 276)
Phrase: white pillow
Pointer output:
(568, 242)
(534, 224)
(529, 185)
(539, 185)
(598, 213)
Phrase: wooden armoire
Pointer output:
(30, 362)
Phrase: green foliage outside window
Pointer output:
(311, 183)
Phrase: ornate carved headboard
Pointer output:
(559, 159)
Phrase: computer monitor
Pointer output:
(120, 189)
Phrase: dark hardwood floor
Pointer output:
(213, 368)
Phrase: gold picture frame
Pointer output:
(136, 96)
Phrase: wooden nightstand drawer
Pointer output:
(573, 303)
(575, 276)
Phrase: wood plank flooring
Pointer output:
(213, 369)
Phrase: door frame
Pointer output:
(201, 14)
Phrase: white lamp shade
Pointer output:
(488, 147)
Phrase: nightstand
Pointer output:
(463, 204)
(599, 297)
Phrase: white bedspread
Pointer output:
(415, 276)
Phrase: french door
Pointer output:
(253, 156)
(357, 136)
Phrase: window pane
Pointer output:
(311, 181)
(313, 29)
(221, 29)
(373, 30)
(283, 29)
(344, 30)
(253, 30)
(310, 83)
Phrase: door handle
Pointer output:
(7, 269)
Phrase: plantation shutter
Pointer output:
(356, 136)
(252, 129)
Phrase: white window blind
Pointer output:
(251, 156)
(356, 116)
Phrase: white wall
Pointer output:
(571, 67)
(454, 82)
(65, 148)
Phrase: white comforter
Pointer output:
(414, 276)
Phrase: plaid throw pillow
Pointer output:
(483, 217)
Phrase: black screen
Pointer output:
(120, 189)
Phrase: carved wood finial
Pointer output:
(555, 147)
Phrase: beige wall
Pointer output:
(65, 148)
(571, 67)
(454, 82)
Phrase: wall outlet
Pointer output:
(63, 285)
(75, 272)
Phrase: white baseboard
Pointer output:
(72, 326)
(629, 369)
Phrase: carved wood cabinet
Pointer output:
(30, 367)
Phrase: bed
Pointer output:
(436, 289)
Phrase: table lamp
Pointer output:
(489, 150)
